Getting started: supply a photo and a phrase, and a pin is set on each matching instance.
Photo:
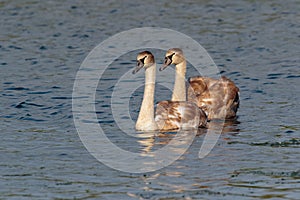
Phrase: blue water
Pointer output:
(256, 44)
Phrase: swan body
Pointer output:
(169, 115)
(218, 98)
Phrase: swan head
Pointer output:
(173, 56)
(144, 59)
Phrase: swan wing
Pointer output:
(218, 98)
(179, 114)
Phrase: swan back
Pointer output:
(218, 98)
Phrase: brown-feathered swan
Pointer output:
(218, 98)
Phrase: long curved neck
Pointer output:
(147, 108)
(179, 91)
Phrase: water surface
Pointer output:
(256, 44)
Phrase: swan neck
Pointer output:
(179, 91)
(147, 108)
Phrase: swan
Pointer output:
(169, 115)
(218, 98)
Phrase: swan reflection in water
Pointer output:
(152, 141)
(180, 141)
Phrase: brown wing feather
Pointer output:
(172, 115)
(217, 98)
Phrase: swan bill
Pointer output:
(139, 65)
(168, 61)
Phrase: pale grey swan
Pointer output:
(169, 115)
(218, 98)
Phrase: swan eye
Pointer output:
(170, 56)
(143, 60)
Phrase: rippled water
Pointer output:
(255, 43)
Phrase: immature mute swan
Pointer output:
(170, 115)
(218, 98)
